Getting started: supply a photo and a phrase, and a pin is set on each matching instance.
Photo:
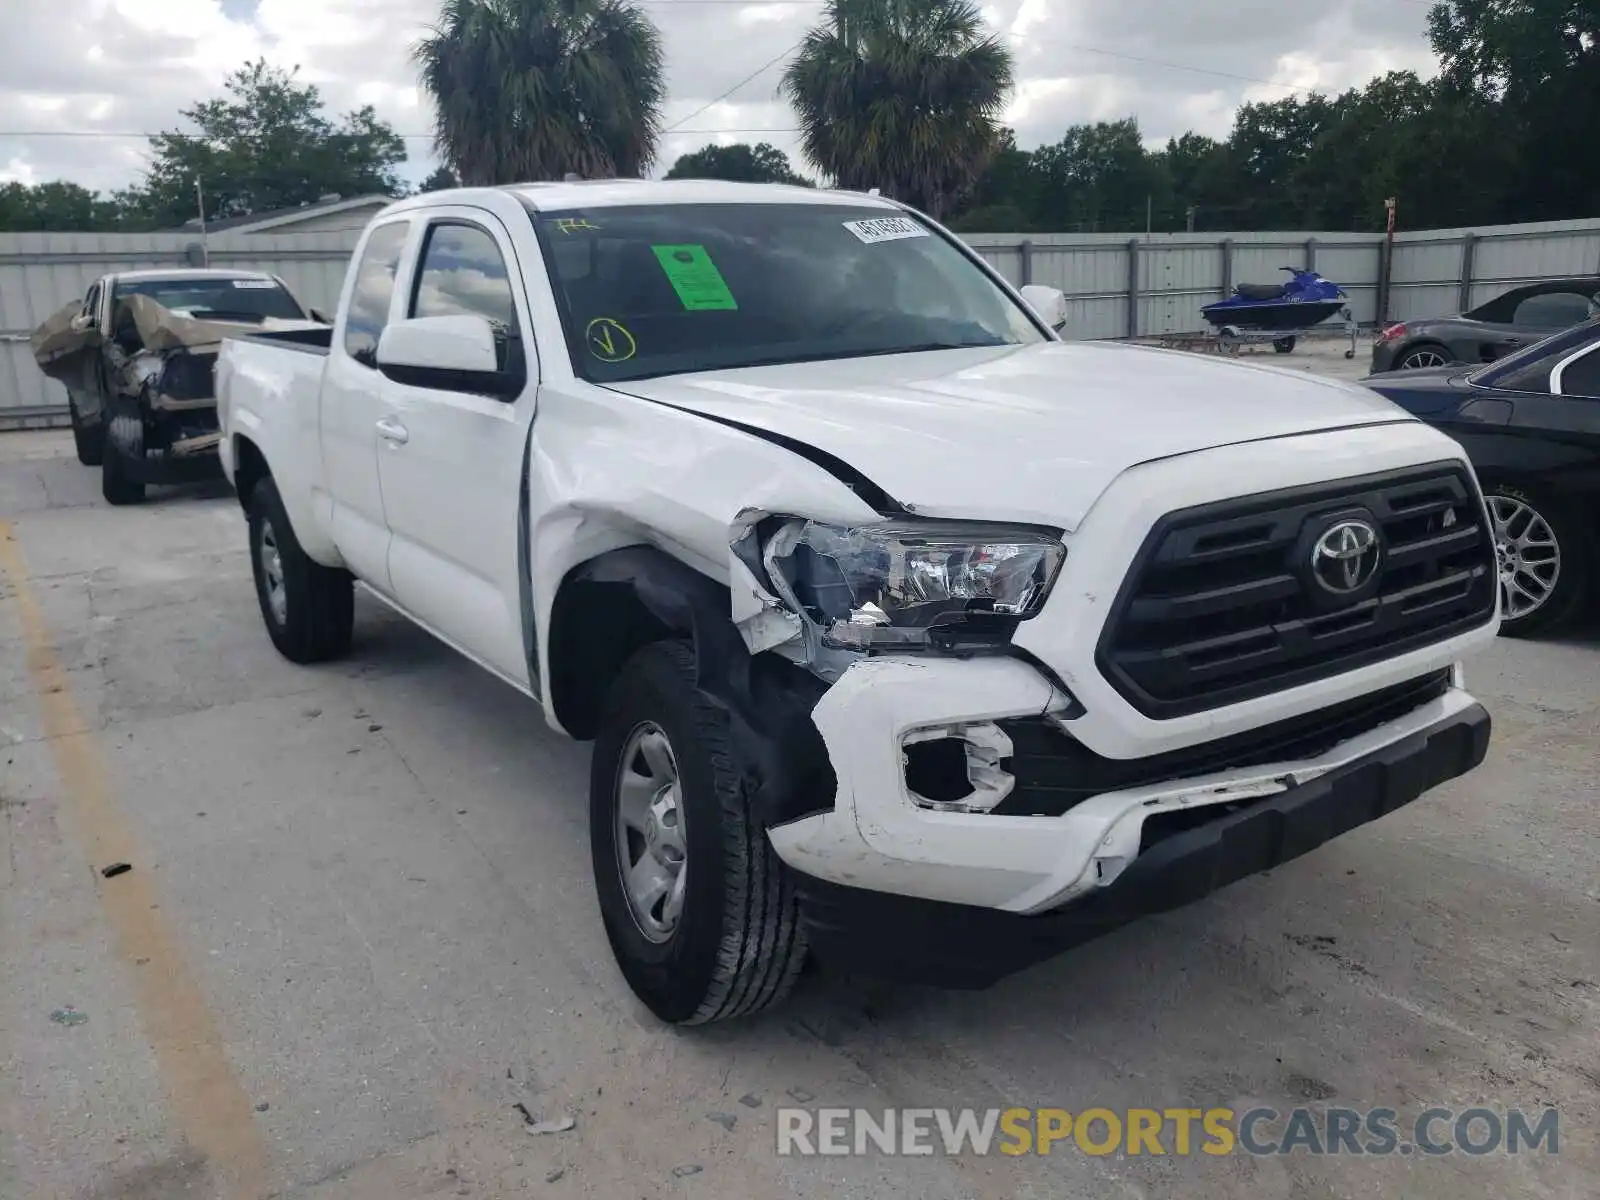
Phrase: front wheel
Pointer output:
(122, 446)
(1545, 559)
(699, 910)
(88, 439)
(309, 609)
(1284, 345)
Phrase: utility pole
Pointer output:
(200, 200)
(1189, 218)
(1386, 269)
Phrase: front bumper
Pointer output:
(920, 940)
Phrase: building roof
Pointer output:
(274, 218)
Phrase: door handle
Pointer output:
(393, 431)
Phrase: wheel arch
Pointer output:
(613, 605)
(249, 468)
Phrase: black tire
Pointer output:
(87, 439)
(1575, 544)
(122, 442)
(738, 947)
(319, 602)
(1423, 350)
(1284, 346)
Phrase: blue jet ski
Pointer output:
(1302, 302)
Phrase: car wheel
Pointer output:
(699, 910)
(1429, 354)
(87, 439)
(1545, 560)
(122, 446)
(309, 609)
(1284, 346)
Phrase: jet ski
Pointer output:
(1300, 303)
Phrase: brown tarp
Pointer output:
(63, 352)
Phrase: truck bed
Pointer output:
(309, 341)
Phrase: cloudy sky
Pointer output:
(77, 72)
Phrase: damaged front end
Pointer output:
(829, 597)
(175, 393)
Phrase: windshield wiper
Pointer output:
(925, 347)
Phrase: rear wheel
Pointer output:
(1545, 559)
(1284, 345)
(87, 438)
(309, 609)
(1428, 354)
(699, 910)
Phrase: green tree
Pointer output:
(1537, 63)
(534, 89)
(1099, 178)
(58, 207)
(267, 144)
(740, 163)
(442, 179)
(1001, 198)
(901, 95)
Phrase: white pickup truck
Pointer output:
(934, 644)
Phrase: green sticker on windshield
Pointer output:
(695, 278)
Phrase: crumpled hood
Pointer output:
(1026, 433)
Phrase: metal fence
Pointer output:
(1117, 286)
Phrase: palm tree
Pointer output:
(901, 95)
(533, 89)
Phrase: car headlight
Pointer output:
(907, 584)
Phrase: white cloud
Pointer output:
(116, 66)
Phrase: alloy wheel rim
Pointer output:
(272, 573)
(652, 858)
(1419, 360)
(1527, 555)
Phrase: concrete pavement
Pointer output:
(359, 928)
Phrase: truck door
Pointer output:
(452, 463)
(354, 404)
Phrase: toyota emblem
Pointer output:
(1345, 558)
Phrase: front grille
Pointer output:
(1055, 772)
(1223, 604)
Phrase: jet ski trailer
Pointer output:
(1280, 313)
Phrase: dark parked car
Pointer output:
(1530, 423)
(1505, 324)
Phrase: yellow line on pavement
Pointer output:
(212, 1108)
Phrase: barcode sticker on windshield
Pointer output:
(885, 229)
(265, 285)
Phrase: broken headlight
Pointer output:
(911, 585)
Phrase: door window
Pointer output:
(368, 311)
(1582, 376)
(1554, 310)
(463, 273)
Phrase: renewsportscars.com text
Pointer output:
(1166, 1131)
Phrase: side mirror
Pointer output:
(82, 322)
(1049, 303)
(449, 354)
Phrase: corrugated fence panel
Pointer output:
(1177, 274)
(1512, 260)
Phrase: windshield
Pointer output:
(216, 298)
(666, 289)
